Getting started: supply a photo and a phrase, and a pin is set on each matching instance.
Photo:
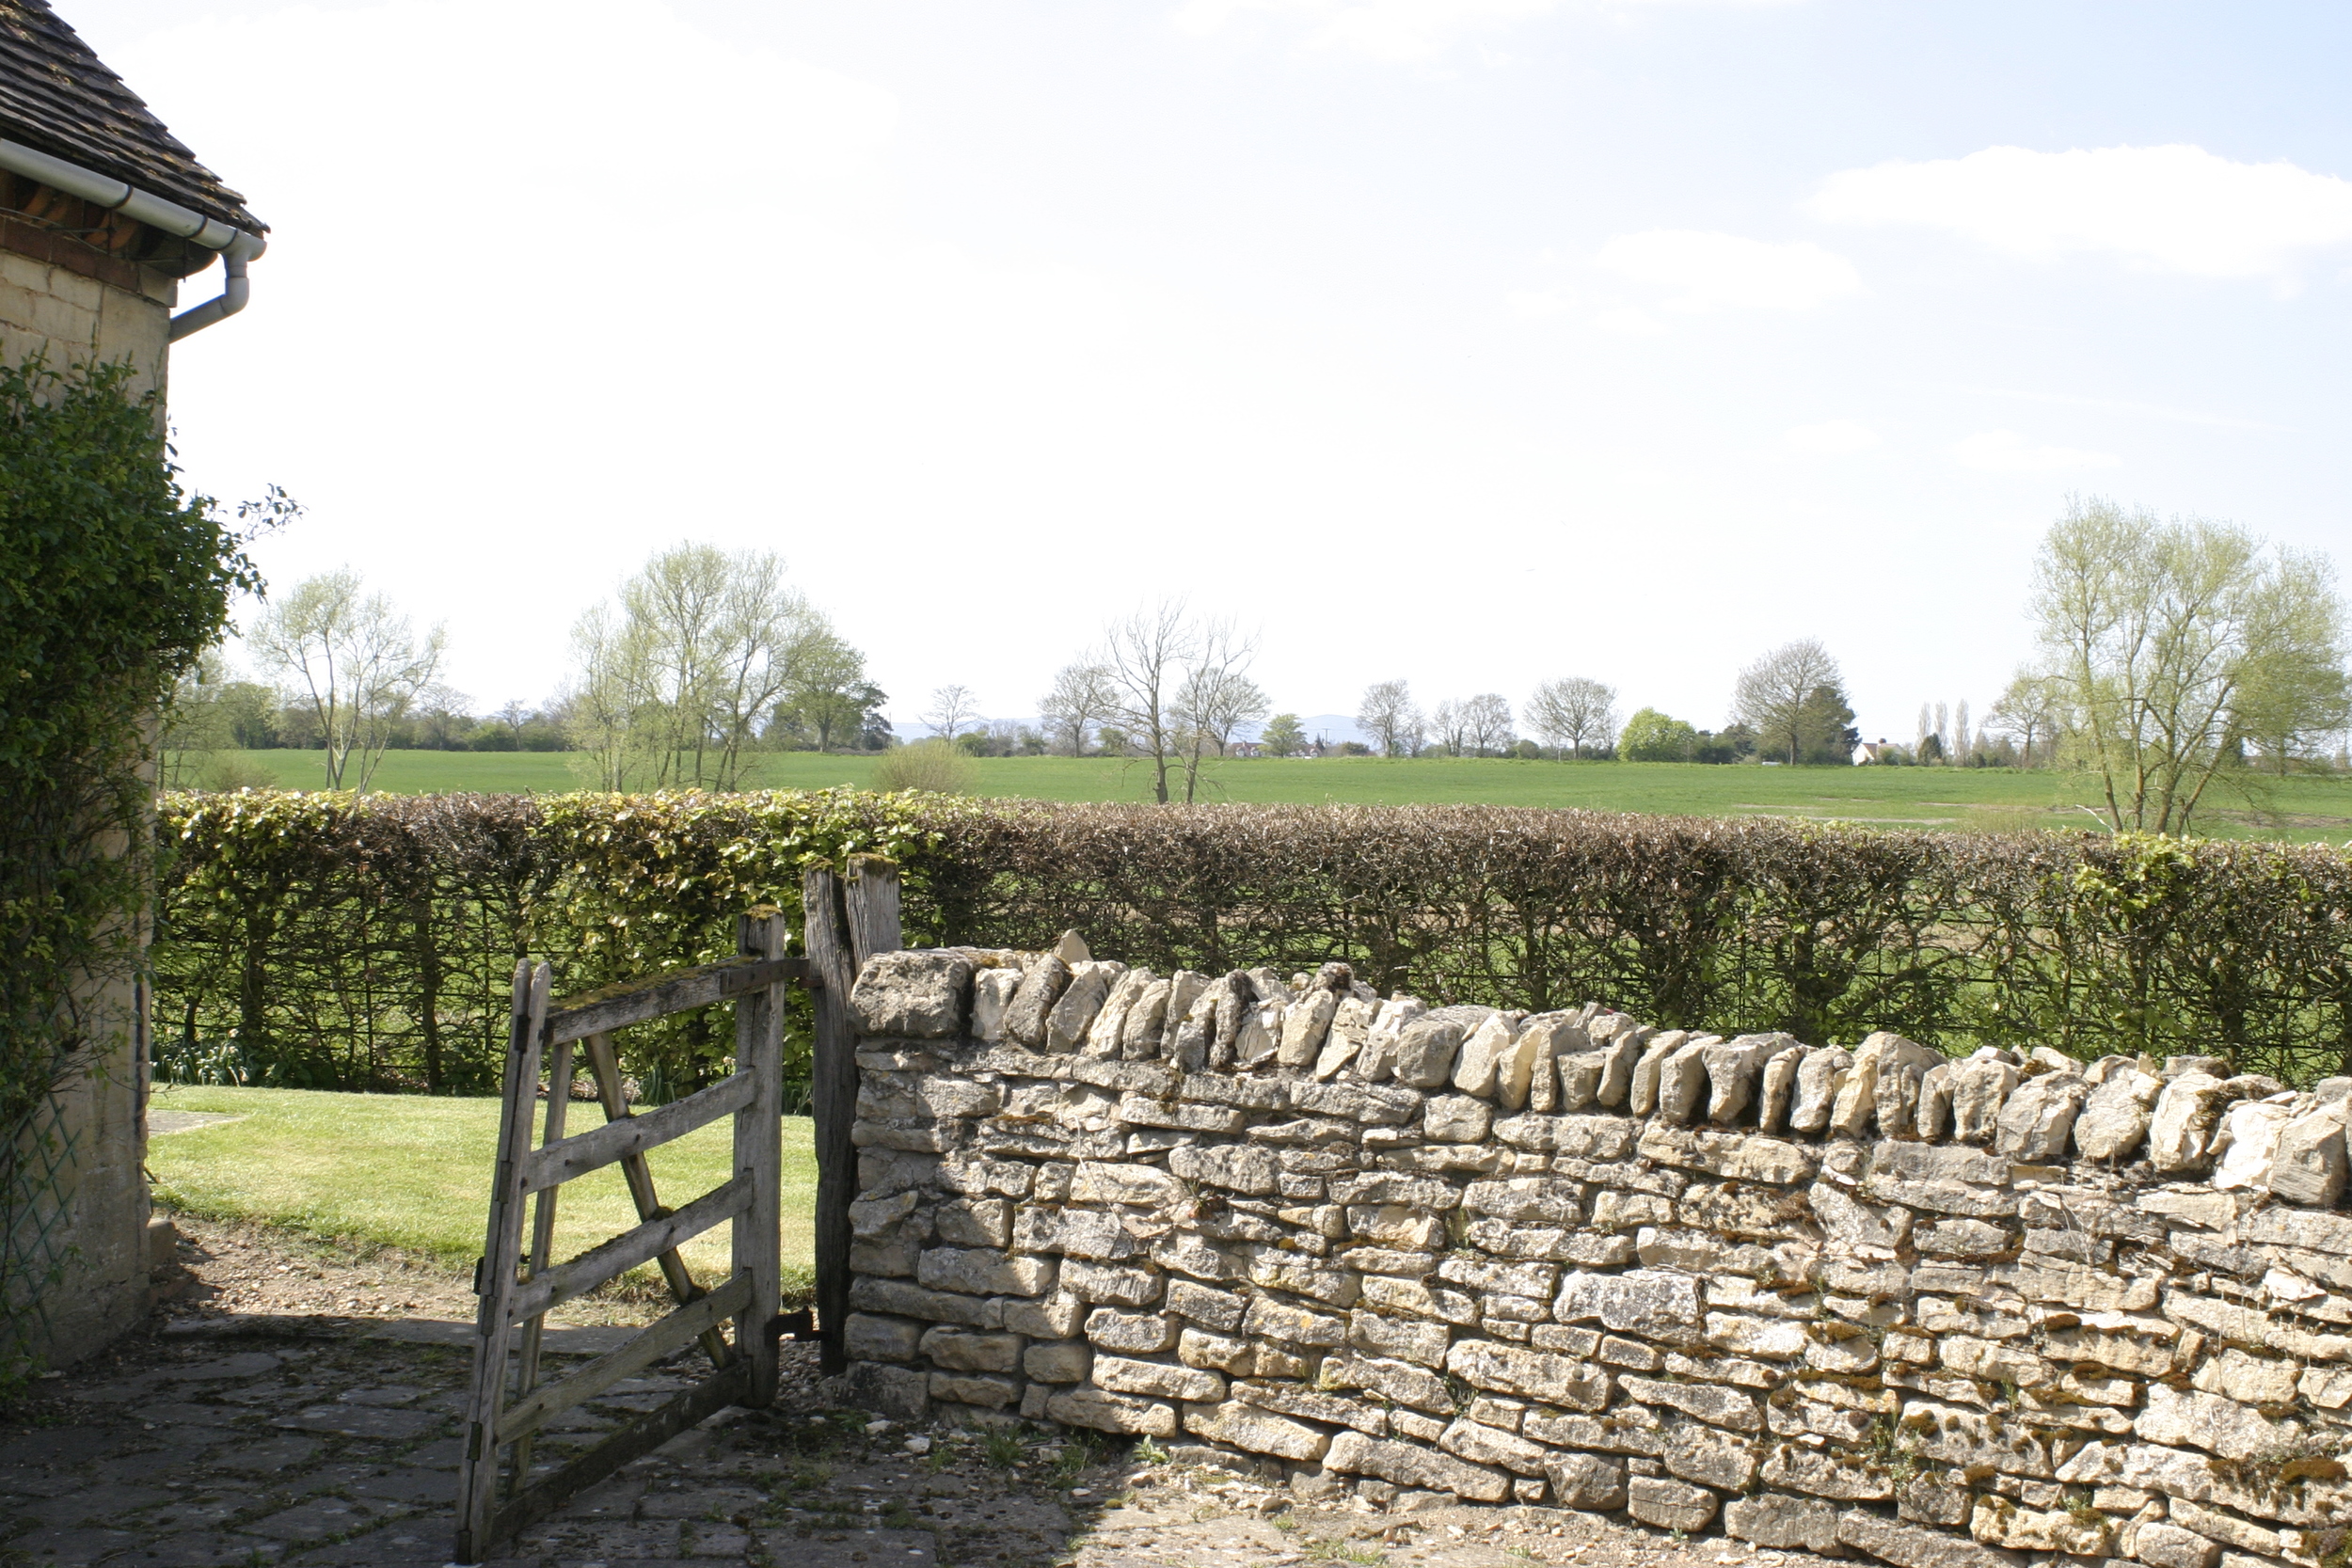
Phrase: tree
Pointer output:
(351, 661)
(1826, 724)
(952, 708)
(1486, 722)
(1574, 712)
(828, 701)
(1775, 697)
(1082, 698)
(1651, 736)
(2028, 712)
(1449, 727)
(1282, 736)
(674, 684)
(1388, 714)
(1963, 743)
(2165, 642)
(1179, 688)
(1216, 697)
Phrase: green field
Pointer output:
(413, 1172)
(1999, 800)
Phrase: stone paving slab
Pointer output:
(334, 1443)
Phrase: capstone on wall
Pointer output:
(1873, 1301)
(99, 1239)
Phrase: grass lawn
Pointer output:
(413, 1172)
(2317, 807)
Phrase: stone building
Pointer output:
(103, 213)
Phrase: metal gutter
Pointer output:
(235, 245)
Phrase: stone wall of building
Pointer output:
(62, 307)
(1940, 1312)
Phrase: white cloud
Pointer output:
(2176, 208)
(1631, 320)
(1699, 272)
(1830, 438)
(1388, 29)
(2004, 452)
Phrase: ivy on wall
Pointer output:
(112, 579)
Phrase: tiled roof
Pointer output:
(59, 97)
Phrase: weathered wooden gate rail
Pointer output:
(518, 1288)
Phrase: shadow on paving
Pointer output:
(241, 1440)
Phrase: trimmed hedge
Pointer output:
(368, 941)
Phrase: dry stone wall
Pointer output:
(1872, 1301)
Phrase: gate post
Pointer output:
(833, 1096)
(759, 1152)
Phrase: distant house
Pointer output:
(102, 214)
(1873, 750)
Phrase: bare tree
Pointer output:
(352, 661)
(1450, 722)
(2163, 640)
(952, 708)
(1082, 698)
(1773, 694)
(1388, 714)
(1964, 744)
(1486, 722)
(1145, 655)
(1216, 697)
(1573, 712)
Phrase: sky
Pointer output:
(1471, 343)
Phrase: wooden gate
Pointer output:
(498, 1493)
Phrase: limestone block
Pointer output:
(1627, 1429)
(1225, 1352)
(1485, 1445)
(1827, 1473)
(1041, 986)
(1457, 1118)
(1421, 1192)
(2247, 1142)
(1423, 1344)
(1682, 1081)
(1615, 1211)
(1110, 1027)
(1933, 1499)
(1395, 1225)
(1539, 1375)
(1981, 1086)
(2275, 1226)
(1585, 1481)
(2037, 1126)
(1288, 1399)
(1727, 1408)
(875, 1216)
(1734, 1071)
(1619, 1059)
(1206, 1305)
(1163, 1380)
(2163, 1545)
(1052, 1317)
(1098, 1182)
(961, 1350)
(1353, 1453)
(2309, 1167)
(1425, 1051)
(1305, 1027)
(1109, 1412)
(2180, 1132)
(1964, 1438)
(1643, 1098)
(978, 1221)
(1933, 1117)
(1058, 1361)
(1546, 1039)
(1998, 1522)
(1776, 1089)
(1798, 1524)
(1261, 1037)
(1820, 1081)
(1740, 1156)
(990, 1002)
(1852, 1225)
(915, 994)
(2192, 1418)
(1670, 1504)
(1398, 1381)
(1109, 1284)
(1130, 1333)
(1482, 1049)
(1292, 1325)
(1257, 1430)
(1143, 1026)
(900, 1391)
(1901, 1064)
(1376, 1062)
(867, 1336)
(1700, 1453)
(2114, 1120)
(1963, 1239)
(1659, 1305)
(1238, 1168)
(2250, 1379)
(1551, 1200)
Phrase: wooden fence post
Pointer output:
(833, 1094)
(873, 900)
(759, 1152)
